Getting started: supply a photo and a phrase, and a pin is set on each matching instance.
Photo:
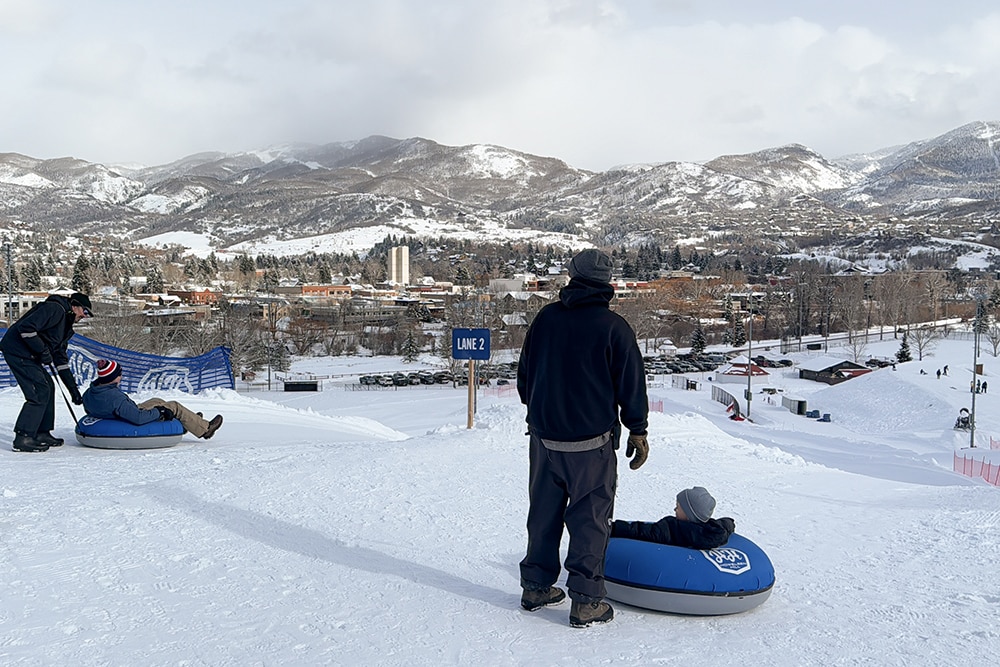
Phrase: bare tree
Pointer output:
(124, 331)
(239, 331)
(993, 336)
(642, 313)
(849, 305)
(924, 338)
(934, 284)
(304, 333)
(858, 347)
(897, 296)
(199, 337)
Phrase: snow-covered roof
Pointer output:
(822, 363)
(741, 369)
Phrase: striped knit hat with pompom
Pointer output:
(107, 371)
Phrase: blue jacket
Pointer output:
(108, 401)
(580, 367)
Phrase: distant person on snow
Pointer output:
(105, 400)
(33, 345)
(690, 526)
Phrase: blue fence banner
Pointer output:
(144, 372)
(470, 344)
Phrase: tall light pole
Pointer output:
(749, 358)
(798, 291)
(10, 282)
(977, 324)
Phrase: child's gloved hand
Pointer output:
(638, 445)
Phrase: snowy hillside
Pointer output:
(349, 528)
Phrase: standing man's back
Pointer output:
(581, 376)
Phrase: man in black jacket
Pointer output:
(581, 376)
(30, 347)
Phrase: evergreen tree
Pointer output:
(81, 275)
(739, 333)
(676, 261)
(698, 342)
(903, 353)
(727, 311)
(33, 275)
(410, 349)
(154, 280)
(280, 358)
(246, 266)
(462, 276)
(982, 322)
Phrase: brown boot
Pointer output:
(547, 597)
(213, 426)
(582, 614)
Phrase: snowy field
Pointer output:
(374, 528)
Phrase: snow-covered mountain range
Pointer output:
(295, 193)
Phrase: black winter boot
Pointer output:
(547, 597)
(46, 438)
(25, 443)
(582, 614)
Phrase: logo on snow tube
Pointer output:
(728, 560)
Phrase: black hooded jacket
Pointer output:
(579, 365)
(671, 530)
(47, 326)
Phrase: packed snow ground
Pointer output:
(349, 527)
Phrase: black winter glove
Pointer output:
(638, 445)
(728, 524)
(165, 413)
(45, 358)
(66, 375)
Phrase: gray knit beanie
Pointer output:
(591, 264)
(697, 503)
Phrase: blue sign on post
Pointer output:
(470, 344)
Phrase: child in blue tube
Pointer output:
(691, 525)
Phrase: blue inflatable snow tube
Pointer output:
(118, 434)
(730, 579)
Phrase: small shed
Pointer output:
(831, 370)
(739, 370)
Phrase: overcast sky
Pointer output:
(595, 83)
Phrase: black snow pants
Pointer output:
(38, 414)
(578, 489)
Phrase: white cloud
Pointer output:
(596, 83)
(19, 16)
